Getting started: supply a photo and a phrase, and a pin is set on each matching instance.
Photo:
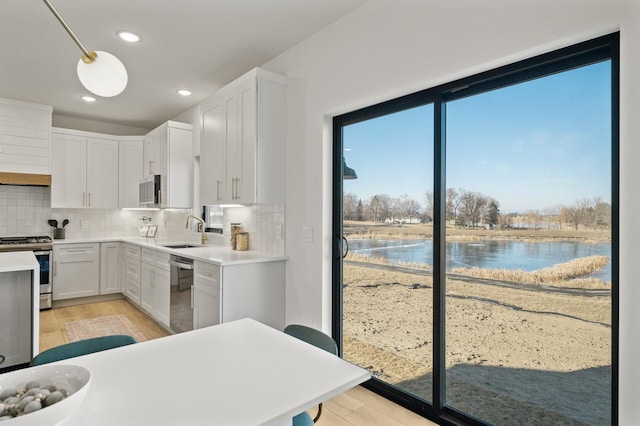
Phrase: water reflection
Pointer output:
(528, 256)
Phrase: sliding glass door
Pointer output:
(387, 284)
(528, 253)
(476, 231)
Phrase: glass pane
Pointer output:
(528, 290)
(387, 285)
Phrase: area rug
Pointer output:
(102, 326)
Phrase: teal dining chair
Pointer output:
(82, 347)
(320, 340)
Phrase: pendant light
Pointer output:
(348, 172)
(99, 72)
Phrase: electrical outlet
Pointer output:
(307, 234)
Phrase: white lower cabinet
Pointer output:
(206, 294)
(110, 268)
(155, 284)
(76, 270)
(248, 290)
(221, 293)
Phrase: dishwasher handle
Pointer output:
(180, 265)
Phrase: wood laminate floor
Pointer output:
(356, 407)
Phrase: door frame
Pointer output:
(602, 48)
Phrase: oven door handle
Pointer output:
(181, 265)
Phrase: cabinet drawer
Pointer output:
(207, 273)
(76, 250)
(162, 260)
(156, 258)
(132, 268)
(148, 256)
(132, 290)
(131, 251)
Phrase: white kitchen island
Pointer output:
(19, 307)
(234, 374)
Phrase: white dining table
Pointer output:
(238, 373)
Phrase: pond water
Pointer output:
(528, 256)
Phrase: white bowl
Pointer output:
(73, 378)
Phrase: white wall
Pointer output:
(388, 48)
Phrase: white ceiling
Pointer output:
(194, 44)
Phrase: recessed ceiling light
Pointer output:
(184, 92)
(129, 36)
(88, 98)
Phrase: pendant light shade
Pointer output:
(105, 76)
(99, 72)
(347, 172)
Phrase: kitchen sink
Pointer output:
(179, 246)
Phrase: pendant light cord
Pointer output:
(88, 56)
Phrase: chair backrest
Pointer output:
(82, 347)
(313, 337)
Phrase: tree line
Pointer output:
(472, 209)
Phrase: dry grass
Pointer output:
(354, 229)
(574, 273)
(384, 261)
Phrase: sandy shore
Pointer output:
(513, 357)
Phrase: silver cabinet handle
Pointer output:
(218, 182)
(192, 298)
(89, 202)
(55, 268)
(83, 198)
(181, 265)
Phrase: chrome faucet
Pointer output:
(203, 238)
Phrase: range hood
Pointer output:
(28, 179)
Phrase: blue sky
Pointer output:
(530, 146)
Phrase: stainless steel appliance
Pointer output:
(41, 246)
(181, 294)
(150, 191)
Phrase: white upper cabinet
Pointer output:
(242, 144)
(25, 137)
(84, 170)
(168, 151)
(130, 151)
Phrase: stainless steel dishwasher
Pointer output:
(181, 312)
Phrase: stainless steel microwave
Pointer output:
(150, 192)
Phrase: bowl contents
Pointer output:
(42, 395)
(26, 399)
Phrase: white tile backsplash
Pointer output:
(262, 222)
(25, 210)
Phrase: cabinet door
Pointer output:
(212, 152)
(110, 269)
(68, 171)
(102, 172)
(129, 172)
(76, 271)
(147, 292)
(232, 144)
(152, 154)
(206, 305)
(244, 159)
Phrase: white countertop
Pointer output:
(213, 254)
(18, 261)
(238, 373)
